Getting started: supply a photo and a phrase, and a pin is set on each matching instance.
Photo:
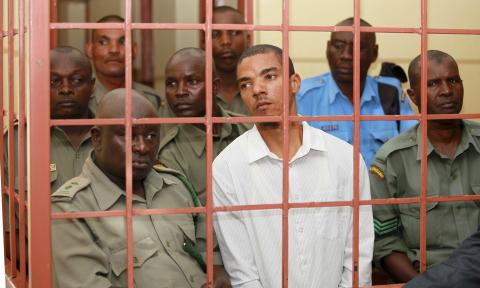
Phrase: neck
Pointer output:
(111, 83)
(347, 89)
(272, 134)
(228, 88)
(445, 135)
(76, 134)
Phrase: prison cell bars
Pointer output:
(39, 130)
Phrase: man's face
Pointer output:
(340, 55)
(110, 148)
(71, 86)
(185, 86)
(444, 87)
(107, 51)
(228, 45)
(260, 82)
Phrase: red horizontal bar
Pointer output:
(91, 214)
(453, 31)
(66, 25)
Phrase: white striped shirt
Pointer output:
(320, 239)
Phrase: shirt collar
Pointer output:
(107, 193)
(258, 149)
(369, 91)
(466, 140)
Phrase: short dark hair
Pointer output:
(432, 55)
(225, 8)
(80, 57)
(264, 49)
(350, 20)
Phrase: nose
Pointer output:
(65, 87)
(225, 38)
(258, 89)
(181, 89)
(445, 88)
(139, 145)
(114, 47)
(347, 52)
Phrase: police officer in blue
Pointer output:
(332, 94)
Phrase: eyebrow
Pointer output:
(263, 72)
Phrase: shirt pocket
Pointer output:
(410, 218)
(143, 250)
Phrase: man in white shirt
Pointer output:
(249, 172)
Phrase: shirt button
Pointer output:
(168, 243)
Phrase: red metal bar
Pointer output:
(356, 140)
(53, 18)
(423, 145)
(209, 138)
(2, 124)
(146, 76)
(22, 143)
(285, 152)
(39, 184)
(128, 140)
(11, 138)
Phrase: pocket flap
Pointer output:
(414, 209)
(143, 250)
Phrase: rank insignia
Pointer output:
(375, 170)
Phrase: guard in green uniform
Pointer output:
(227, 46)
(92, 252)
(106, 49)
(453, 155)
(183, 148)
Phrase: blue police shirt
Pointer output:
(320, 95)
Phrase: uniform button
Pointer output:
(168, 244)
(192, 279)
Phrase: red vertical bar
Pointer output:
(423, 146)
(248, 14)
(21, 141)
(2, 167)
(286, 125)
(147, 43)
(128, 140)
(39, 198)
(356, 140)
(54, 18)
(11, 139)
(209, 138)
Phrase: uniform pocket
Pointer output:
(143, 250)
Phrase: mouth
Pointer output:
(140, 165)
(115, 61)
(67, 104)
(262, 105)
(451, 105)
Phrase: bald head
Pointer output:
(432, 56)
(112, 105)
(191, 54)
(76, 56)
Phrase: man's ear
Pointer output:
(295, 81)
(134, 50)
(413, 97)
(89, 49)
(375, 53)
(95, 133)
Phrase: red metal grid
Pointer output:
(39, 130)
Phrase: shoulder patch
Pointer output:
(377, 171)
(161, 168)
(71, 187)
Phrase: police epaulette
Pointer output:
(71, 187)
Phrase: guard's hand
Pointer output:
(220, 278)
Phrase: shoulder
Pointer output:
(147, 90)
(311, 83)
(169, 136)
(171, 176)
(241, 127)
(391, 81)
(473, 127)
(68, 190)
(236, 150)
(403, 141)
